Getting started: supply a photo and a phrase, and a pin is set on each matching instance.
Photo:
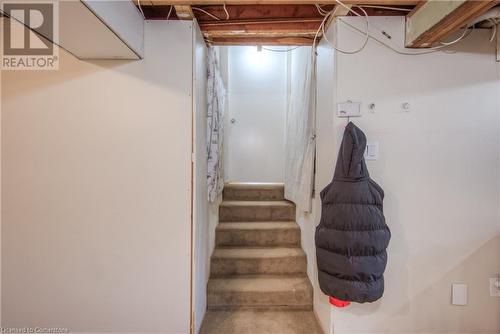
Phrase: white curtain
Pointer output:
(300, 130)
(216, 99)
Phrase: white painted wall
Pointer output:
(123, 18)
(201, 264)
(307, 222)
(257, 95)
(439, 167)
(96, 191)
(1, 199)
(101, 29)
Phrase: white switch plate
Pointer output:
(349, 109)
(371, 151)
(459, 294)
(494, 291)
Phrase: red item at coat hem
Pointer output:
(338, 303)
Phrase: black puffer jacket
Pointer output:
(352, 236)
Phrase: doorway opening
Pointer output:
(257, 97)
(258, 270)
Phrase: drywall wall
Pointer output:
(123, 18)
(96, 191)
(257, 97)
(439, 167)
(200, 194)
(299, 58)
(1, 246)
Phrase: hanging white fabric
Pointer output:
(300, 130)
(216, 99)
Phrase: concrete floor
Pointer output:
(260, 322)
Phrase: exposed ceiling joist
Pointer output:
(261, 41)
(271, 25)
(230, 23)
(342, 11)
(432, 21)
(257, 33)
(184, 12)
(259, 22)
(259, 12)
(143, 2)
(261, 33)
(339, 11)
(283, 2)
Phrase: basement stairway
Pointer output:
(258, 282)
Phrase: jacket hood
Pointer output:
(351, 163)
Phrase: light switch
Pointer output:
(459, 294)
(371, 151)
(495, 287)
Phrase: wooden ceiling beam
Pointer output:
(261, 41)
(339, 11)
(342, 11)
(268, 28)
(433, 21)
(260, 33)
(285, 2)
(271, 26)
(258, 21)
(143, 2)
(260, 11)
(184, 12)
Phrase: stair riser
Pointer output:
(300, 300)
(239, 194)
(261, 308)
(256, 213)
(258, 238)
(276, 265)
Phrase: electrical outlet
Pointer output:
(495, 287)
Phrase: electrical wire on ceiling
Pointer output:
(330, 14)
(324, 12)
(321, 10)
(280, 50)
(405, 53)
(205, 12)
(326, 16)
(140, 9)
(493, 29)
(368, 35)
(387, 7)
(170, 11)
(459, 38)
(212, 15)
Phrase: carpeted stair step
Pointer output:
(266, 291)
(236, 191)
(244, 211)
(248, 261)
(260, 322)
(257, 234)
